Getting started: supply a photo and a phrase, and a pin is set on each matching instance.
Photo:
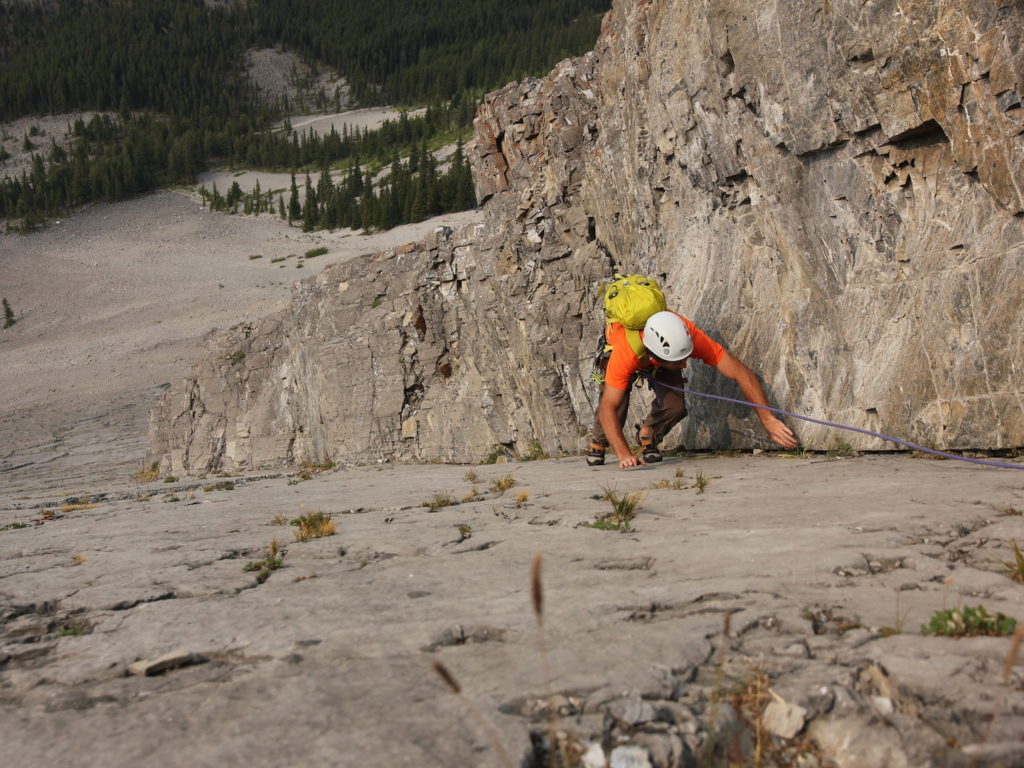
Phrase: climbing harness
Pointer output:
(1002, 464)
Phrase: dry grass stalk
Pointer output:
(65, 508)
(536, 592)
(1011, 657)
(556, 746)
(492, 733)
(447, 676)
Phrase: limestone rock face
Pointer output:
(835, 191)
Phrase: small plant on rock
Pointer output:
(701, 482)
(1015, 569)
(968, 622)
(263, 568)
(623, 509)
(443, 499)
(503, 483)
(313, 525)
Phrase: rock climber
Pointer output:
(670, 340)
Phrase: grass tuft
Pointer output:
(503, 483)
(623, 509)
(263, 568)
(442, 499)
(313, 525)
(65, 508)
(1014, 569)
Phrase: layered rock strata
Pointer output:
(835, 191)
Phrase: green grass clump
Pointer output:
(312, 253)
(263, 568)
(968, 622)
(624, 507)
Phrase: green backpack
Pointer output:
(629, 300)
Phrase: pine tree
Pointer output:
(294, 208)
(309, 209)
(8, 315)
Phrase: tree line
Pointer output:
(168, 76)
(410, 51)
(412, 190)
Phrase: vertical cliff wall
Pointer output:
(833, 190)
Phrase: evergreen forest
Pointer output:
(168, 79)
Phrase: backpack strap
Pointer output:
(636, 344)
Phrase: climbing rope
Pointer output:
(1002, 464)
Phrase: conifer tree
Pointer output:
(8, 315)
(309, 209)
(294, 208)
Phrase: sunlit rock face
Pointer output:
(833, 190)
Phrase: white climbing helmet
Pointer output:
(667, 336)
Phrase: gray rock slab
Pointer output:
(327, 661)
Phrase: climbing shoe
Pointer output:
(648, 449)
(595, 457)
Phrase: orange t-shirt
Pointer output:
(623, 362)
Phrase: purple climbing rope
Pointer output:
(933, 452)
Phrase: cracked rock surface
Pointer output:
(785, 600)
